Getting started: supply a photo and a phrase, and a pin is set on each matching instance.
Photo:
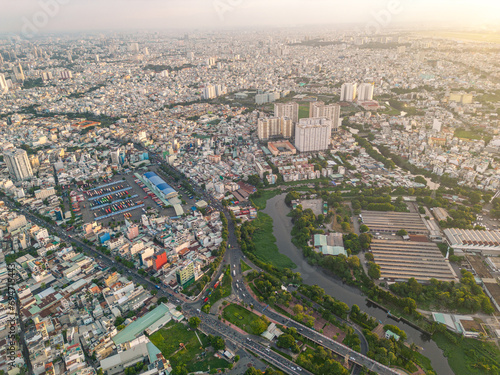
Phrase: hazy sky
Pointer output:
(81, 15)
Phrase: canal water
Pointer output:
(312, 275)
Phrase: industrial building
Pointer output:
(391, 222)
(402, 260)
(161, 186)
(484, 242)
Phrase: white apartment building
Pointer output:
(3, 84)
(331, 112)
(18, 164)
(365, 92)
(348, 92)
(289, 110)
(275, 127)
(313, 134)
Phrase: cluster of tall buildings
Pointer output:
(311, 134)
(350, 91)
(213, 91)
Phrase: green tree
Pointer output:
(253, 371)
(285, 341)
(346, 227)
(217, 342)
(402, 232)
(180, 370)
(364, 228)
(194, 322)
(374, 270)
(258, 326)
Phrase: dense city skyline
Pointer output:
(249, 187)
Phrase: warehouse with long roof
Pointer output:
(485, 242)
(391, 222)
(402, 260)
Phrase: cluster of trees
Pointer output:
(304, 225)
(352, 339)
(224, 289)
(463, 218)
(344, 157)
(125, 262)
(362, 318)
(379, 203)
(194, 322)
(287, 341)
(389, 164)
(302, 317)
(136, 369)
(321, 362)
(407, 304)
(347, 268)
(217, 342)
(495, 211)
(466, 295)
(354, 243)
(331, 305)
(259, 325)
(396, 330)
(269, 371)
(390, 352)
(269, 288)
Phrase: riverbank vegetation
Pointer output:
(468, 356)
(465, 297)
(258, 239)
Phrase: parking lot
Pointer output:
(123, 198)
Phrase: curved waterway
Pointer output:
(312, 275)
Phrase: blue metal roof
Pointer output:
(159, 183)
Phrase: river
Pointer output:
(312, 275)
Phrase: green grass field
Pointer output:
(240, 317)
(244, 266)
(265, 243)
(304, 111)
(261, 201)
(469, 356)
(468, 134)
(168, 340)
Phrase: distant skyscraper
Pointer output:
(18, 73)
(18, 163)
(365, 92)
(348, 92)
(289, 110)
(133, 47)
(3, 85)
(331, 112)
(313, 134)
(47, 76)
(209, 92)
(273, 127)
(436, 125)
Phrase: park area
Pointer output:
(179, 344)
(244, 319)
